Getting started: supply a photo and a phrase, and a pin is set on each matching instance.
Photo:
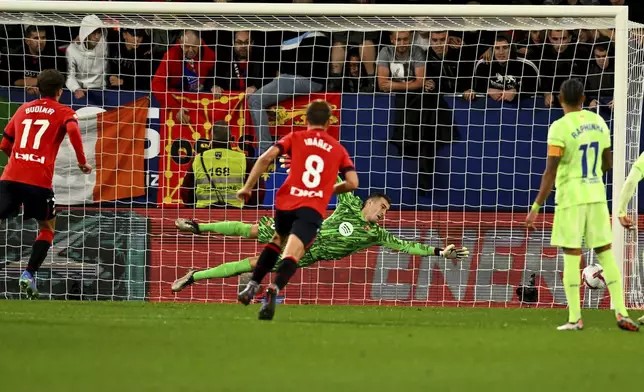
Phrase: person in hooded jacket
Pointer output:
(87, 58)
(506, 77)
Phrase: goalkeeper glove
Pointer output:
(452, 252)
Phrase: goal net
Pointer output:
(445, 109)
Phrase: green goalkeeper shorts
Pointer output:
(589, 223)
(266, 229)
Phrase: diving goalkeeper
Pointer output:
(352, 227)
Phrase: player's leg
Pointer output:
(39, 203)
(10, 200)
(567, 234)
(269, 256)
(263, 231)
(303, 233)
(599, 236)
(225, 270)
(231, 228)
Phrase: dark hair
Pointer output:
(572, 92)
(33, 29)
(135, 32)
(377, 195)
(318, 113)
(50, 81)
(602, 44)
(220, 134)
(503, 37)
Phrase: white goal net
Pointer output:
(443, 109)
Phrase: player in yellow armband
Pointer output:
(578, 155)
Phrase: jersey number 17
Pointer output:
(44, 124)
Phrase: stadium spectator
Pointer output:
(445, 73)
(356, 79)
(344, 42)
(186, 67)
(86, 58)
(131, 61)
(217, 173)
(244, 70)
(36, 54)
(304, 68)
(401, 68)
(600, 81)
(532, 46)
(507, 76)
(561, 61)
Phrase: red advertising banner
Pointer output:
(180, 142)
(503, 256)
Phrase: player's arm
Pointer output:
(628, 190)
(282, 147)
(392, 242)
(73, 131)
(555, 153)
(347, 197)
(349, 184)
(261, 165)
(607, 160)
(347, 168)
(6, 145)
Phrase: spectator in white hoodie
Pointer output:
(86, 58)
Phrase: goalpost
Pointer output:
(115, 235)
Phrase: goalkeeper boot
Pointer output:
(183, 282)
(641, 320)
(28, 285)
(578, 326)
(187, 226)
(267, 311)
(247, 295)
(627, 324)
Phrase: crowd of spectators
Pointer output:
(418, 68)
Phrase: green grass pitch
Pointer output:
(90, 346)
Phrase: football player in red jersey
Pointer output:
(31, 140)
(301, 202)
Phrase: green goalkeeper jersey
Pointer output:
(583, 135)
(346, 232)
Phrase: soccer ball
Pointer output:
(593, 277)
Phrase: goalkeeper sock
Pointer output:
(285, 272)
(227, 228)
(266, 261)
(39, 250)
(613, 281)
(225, 270)
(572, 281)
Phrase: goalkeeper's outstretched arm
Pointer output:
(392, 242)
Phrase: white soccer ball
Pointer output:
(593, 277)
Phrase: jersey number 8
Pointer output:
(314, 166)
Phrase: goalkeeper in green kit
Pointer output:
(578, 155)
(351, 228)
